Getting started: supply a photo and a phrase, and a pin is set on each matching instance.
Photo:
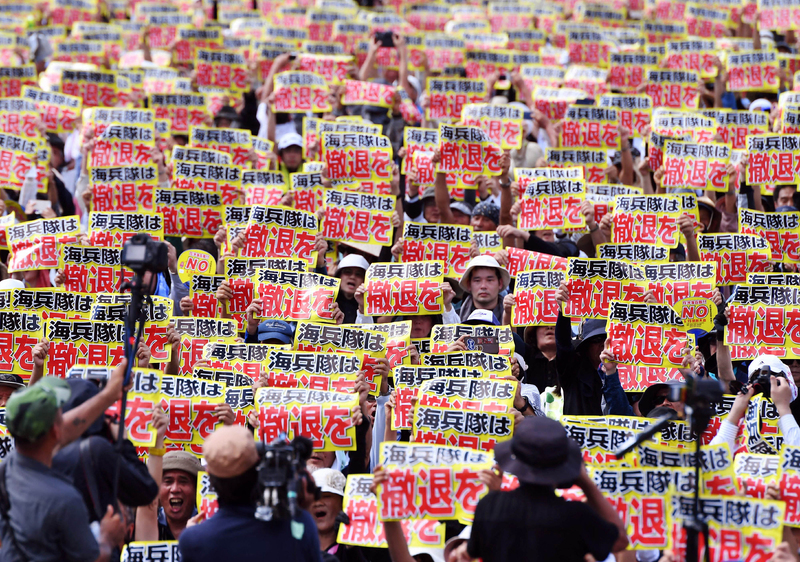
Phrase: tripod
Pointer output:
(140, 299)
(697, 395)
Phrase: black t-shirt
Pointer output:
(532, 523)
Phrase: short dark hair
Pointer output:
(205, 244)
(239, 490)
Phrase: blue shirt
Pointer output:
(233, 533)
(48, 516)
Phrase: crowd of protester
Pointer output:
(68, 492)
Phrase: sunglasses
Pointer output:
(658, 400)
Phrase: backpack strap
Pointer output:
(87, 463)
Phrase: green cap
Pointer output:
(31, 412)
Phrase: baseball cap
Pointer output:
(479, 317)
(30, 413)
(290, 139)
(230, 451)
(181, 460)
(352, 260)
(462, 206)
(275, 330)
(329, 480)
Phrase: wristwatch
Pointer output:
(505, 184)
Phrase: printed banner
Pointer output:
(17, 156)
(761, 319)
(753, 71)
(409, 378)
(594, 283)
(781, 231)
(355, 157)
(34, 244)
(92, 270)
(82, 341)
(535, 298)
(404, 288)
(323, 417)
(364, 528)
(94, 88)
(291, 296)
(673, 89)
(696, 165)
(520, 260)
(635, 111)
(448, 96)
(58, 111)
(430, 481)
(552, 203)
(773, 159)
(735, 255)
(221, 69)
(439, 242)
(123, 188)
(647, 219)
(299, 92)
(189, 212)
(593, 161)
(461, 428)
(281, 232)
(113, 230)
(368, 93)
(184, 111)
(235, 142)
(329, 372)
(503, 123)
(468, 150)
(647, 334)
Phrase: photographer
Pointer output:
(234, 533)
(91, 462)
(42, 516)
(781, 388)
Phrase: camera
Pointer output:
(141, 253)
(281, 474)
(761, 381)
(385, 39)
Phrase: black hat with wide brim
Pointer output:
(541, 452)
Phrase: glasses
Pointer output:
(658, 400)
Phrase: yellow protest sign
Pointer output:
(195, 262)
(299, 92)
(448, 96)
(323, 417)
(448, 473)
(447, 243)
(503, 123)
(289, 295)
(647, 334)
(404, 288)
(364, 528)
(594, 283)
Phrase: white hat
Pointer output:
(484, 261)
(329, 480)
(290, 139)
(11, 284)
(776, 366)
(760, 104)
(352, 260)
(415, 83)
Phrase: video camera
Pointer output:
(141, 253)
(281, 473)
